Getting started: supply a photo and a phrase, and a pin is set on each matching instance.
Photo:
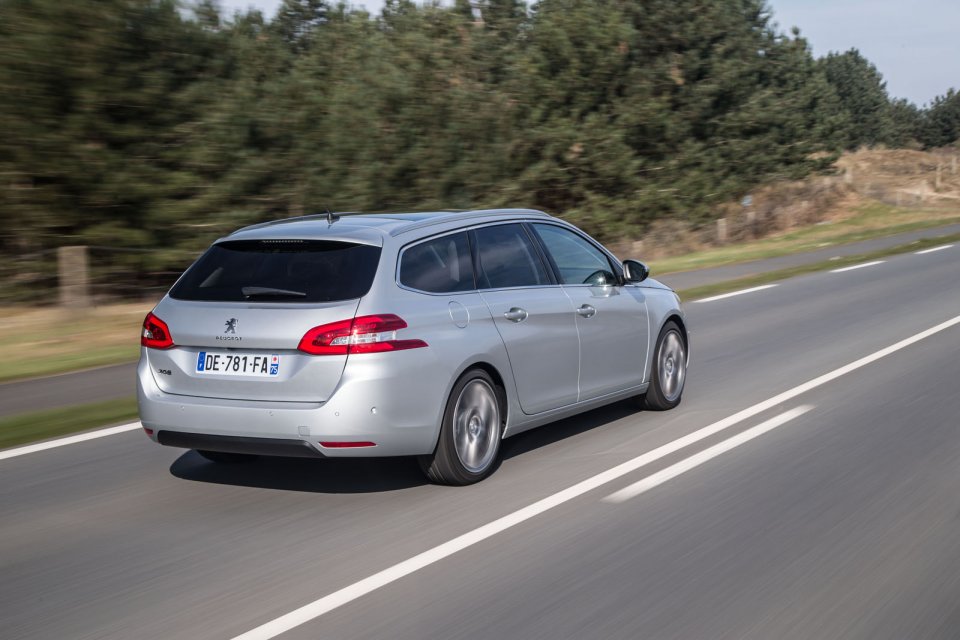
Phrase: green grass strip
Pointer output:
(40, 425)
(799, 241)
(695, 293)
(51, 365)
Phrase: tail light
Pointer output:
(366, 334)
(156, 333)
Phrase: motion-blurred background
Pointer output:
(144, 129)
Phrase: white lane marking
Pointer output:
(940, 248)
(62, 442)
(858, 266)
(736, 293)
(710, 453)
(367, 585)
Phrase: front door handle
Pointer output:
(586, 311)
(516, 314)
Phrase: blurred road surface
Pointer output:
(840, 523)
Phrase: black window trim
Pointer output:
(545, 260)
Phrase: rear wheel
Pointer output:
(469, 446)
(669, 370)
(223, 457)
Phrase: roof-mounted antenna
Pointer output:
(331, 217)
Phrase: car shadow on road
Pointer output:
(359, 475)
(372, 475)
(554, 432)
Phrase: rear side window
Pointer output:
(440, 265)
(508, 258)
(280, 271)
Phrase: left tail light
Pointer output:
(156, 333)
(365, 334)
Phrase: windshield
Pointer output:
(302, 271)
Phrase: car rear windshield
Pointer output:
(299, 271)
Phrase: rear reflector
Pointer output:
(346, 445)
(365, 334)
(149, 432)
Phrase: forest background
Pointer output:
(144, 129)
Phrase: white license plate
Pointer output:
(263, 365)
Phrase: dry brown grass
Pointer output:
(923, 186)
(40, 341)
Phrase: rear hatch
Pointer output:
(238, 314)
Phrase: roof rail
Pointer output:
(471, 214)
(331, 217)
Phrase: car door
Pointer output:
(532, 313)
(611, 318)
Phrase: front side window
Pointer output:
(440, 265)
(508, 258)
(280, 271)
(577, 260)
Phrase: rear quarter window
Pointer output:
(304, 271)
(439, 265)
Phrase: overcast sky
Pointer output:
(914, 43)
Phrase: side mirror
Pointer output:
(635, 271)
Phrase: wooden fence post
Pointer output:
(722, 230)
(74, 272)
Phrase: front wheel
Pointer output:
(469, 445)
(669, 370)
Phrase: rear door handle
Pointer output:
(516, 314)
(586, 311)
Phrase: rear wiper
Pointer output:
(270, 292)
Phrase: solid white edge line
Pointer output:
(361, 588)
(62, 442)
(707, 454)
(736, 293)
(940, 248)
(858, 266)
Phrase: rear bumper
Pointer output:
(399, 413)
(237, 444)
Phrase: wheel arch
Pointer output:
(501, 381)
(678, 319)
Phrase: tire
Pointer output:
(468, 449)
(222, 457)
(669, 370)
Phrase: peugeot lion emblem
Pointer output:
(231, 325)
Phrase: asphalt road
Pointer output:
(114, 382)
(68, 389)
(701, 277)
(841, 522)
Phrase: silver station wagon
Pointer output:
(419, 334)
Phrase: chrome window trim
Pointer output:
(465, 229)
